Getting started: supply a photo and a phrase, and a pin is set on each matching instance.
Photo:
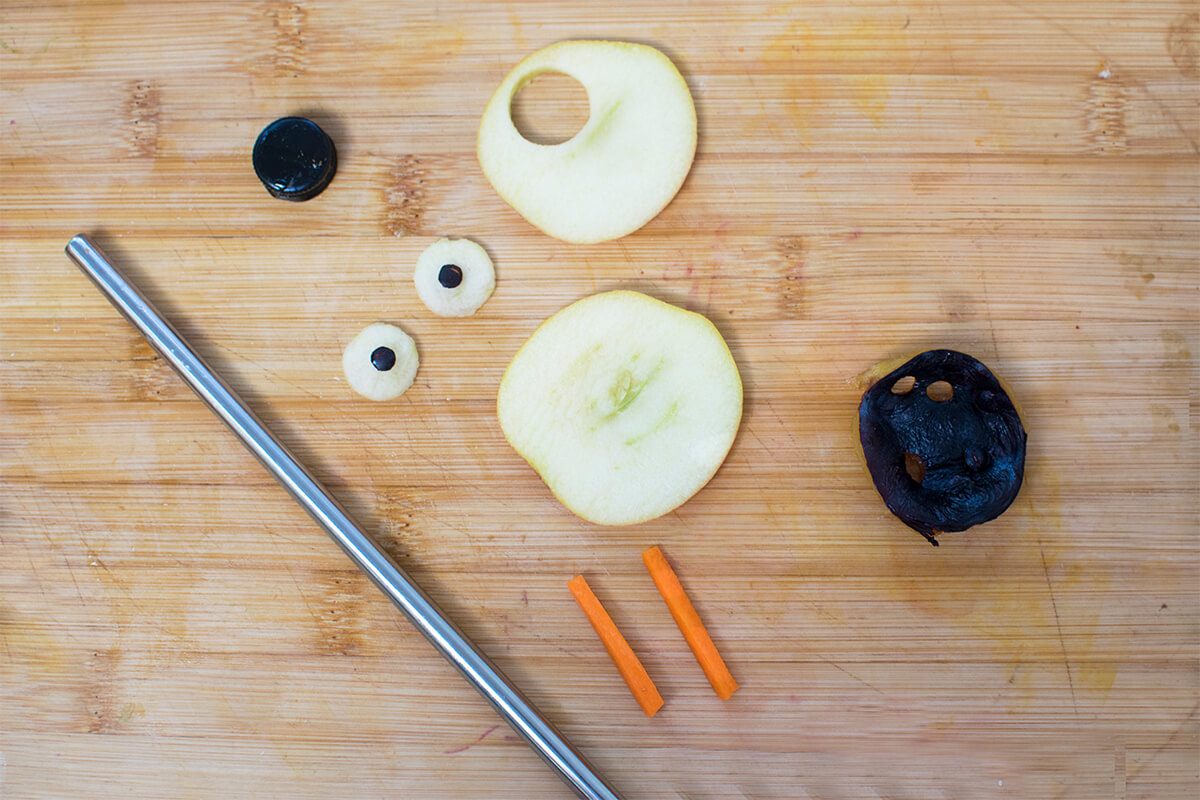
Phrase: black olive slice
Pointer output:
(943, 442)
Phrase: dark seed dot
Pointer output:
(450, 275)
(383, 358)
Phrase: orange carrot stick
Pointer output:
(618, 649)
(689, 623)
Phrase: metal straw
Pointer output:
(443, 634)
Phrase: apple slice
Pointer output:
(625, 405)
(380, 362)
(454, 277)
(621, 168)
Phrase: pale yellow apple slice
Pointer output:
(621, 168)
(625, 405)
(454, 277)
(380, 362)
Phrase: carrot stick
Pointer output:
(631, 669)
(689, 623)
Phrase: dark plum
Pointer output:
(943, 442)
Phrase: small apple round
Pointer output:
(380, 362)
(454, 277)
(621, 168)
(623, 404)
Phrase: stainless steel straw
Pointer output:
(408, 597)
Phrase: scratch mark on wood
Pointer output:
(132, 605)
(466, 747)
(284, 559)
(855, 677)
(1170, 740)
(1058, 623)
(987, 308)
(71, 572)
(1120, 780)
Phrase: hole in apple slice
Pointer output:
(940, 391)
(914, 466)
(550, 109)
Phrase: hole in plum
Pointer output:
(940, 391)
(550, 109)
(904, 385)
(914, 466)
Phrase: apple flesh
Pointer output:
(624, 405)
(380, 362)
(621, 168)
(454, 294)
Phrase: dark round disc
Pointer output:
(450, 275)
(945, 458)
(294, 158)
(383, 358)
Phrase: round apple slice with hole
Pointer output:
(623, 404)
(621, 168)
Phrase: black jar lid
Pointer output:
(294, 158)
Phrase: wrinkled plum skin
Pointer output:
(973, 445)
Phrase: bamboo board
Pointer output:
(1015, 180)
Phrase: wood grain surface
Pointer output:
(1017, 180)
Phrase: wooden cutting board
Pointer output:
(1017, 180)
